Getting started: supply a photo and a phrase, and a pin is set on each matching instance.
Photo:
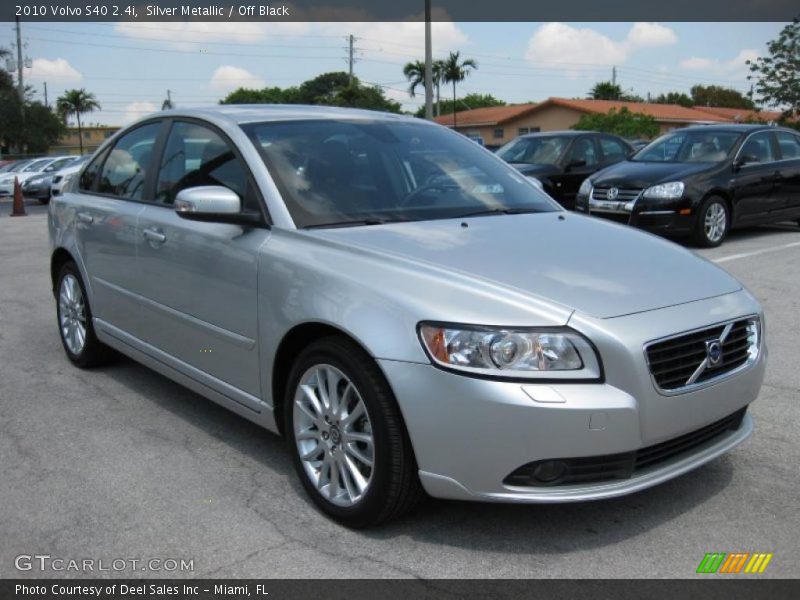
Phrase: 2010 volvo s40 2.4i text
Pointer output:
(410, 312)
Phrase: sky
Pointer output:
(130, 66)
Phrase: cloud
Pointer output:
(554, 43)
(644, 35)
(696, 63)
(228, 78)
(137, 110)
(58, 71)
(736, 66)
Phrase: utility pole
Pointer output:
(429, 65)
(614, 75)
(351, 39)
(20, 84)
(45, 95)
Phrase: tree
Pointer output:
(716, 95)
(77, 102)
(674, 98)
(468, 102)
(415, 73)
(331, 89)
(40, 128)
(777, 83)
(455, 70)
(605, 90)
(623, 122)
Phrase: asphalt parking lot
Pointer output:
(122, 463)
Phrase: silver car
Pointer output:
(411, 313)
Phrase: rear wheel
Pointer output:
(75, 321)
(346, 435)
(713, 222)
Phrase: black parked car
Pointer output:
(702, 182)
(561, 160)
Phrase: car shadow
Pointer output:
(543, 528)
(745, 233)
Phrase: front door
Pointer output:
(581, 160)
(199, 280)
(755, 178)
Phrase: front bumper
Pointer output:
(470, 434)
(665, 218)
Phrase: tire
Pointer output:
(368, 410)
(713, 223)
(74, 315)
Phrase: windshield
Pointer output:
(37, 165)
(350, 172)
(534, 150)
(689, 147)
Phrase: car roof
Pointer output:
(253, 113)
(730, 127)
(559, 133)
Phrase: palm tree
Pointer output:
(77, 102)
(415, 73)
(454, 71)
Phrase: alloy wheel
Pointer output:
(72, 314)
(715, 222)
(333, 435)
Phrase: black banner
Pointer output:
(399, 10)
(710, 588)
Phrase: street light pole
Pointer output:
(428, 63)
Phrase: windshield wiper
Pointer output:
(357, 222)
(497, 211)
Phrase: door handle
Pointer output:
(85, 217)
(154, 236)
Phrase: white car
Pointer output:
(33, 169)
(65, 175)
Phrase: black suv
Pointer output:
(702, 181)
(561, 160)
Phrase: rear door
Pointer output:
(788, 188)
(754, 178)
(111, 195)
(199, 280)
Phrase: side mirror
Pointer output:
(745, 159)
(575, 163)
(213, 204)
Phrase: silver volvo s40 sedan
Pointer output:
(411, 313)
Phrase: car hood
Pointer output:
(631, 174)
(532, 169)
(595, 267)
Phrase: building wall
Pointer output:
(550, 118)
(93, 137)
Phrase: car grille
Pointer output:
(682, 361)
(626, 464)
(600, 192)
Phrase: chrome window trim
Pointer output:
(685, 389)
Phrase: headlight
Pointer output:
(546, 353)
(586, 188)
(673, 189)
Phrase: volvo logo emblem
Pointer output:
(612, 193)
(714, 352)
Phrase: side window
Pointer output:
(789, 144)
(613, 150)
(125, 170)
(90, 173)
(583, 150)
(195, 156)
(757, 149)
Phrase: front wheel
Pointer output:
(713, 222)
(346, 435)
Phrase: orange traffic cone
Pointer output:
(18, 209)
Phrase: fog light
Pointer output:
(549, 471)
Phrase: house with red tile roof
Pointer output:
(497, 125)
